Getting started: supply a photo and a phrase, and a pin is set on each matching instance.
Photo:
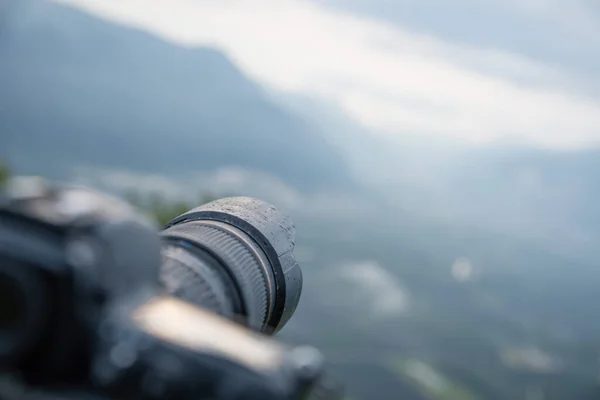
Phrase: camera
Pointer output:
(95, 302)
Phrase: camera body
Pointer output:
(90, 307)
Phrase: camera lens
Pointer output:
(235, 257)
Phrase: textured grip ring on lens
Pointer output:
(270, 233)
(190, 279)
(247, 268)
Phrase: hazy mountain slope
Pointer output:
(76, 89)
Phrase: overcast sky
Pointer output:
(480, 70)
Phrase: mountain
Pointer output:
(75, 89)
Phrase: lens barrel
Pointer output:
(235, 257)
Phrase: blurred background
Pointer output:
(440, 160)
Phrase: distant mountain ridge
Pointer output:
(76, 89)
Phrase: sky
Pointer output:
(494, 71)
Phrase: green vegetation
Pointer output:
(5, 174)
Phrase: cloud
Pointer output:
(390, 79)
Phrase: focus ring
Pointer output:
(239, 260)
(189, 279)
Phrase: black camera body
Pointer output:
(95, 302)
